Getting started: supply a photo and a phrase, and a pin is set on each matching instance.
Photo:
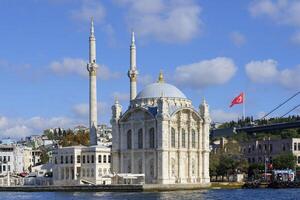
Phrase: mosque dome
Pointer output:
(160, 89)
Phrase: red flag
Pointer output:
(238, 100)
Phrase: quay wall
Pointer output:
(79, 188)
(106, 188)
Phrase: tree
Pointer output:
(285, 161)
(213, 164)
(227, 161)
(70, 139)
(44, 157)
(226, 166)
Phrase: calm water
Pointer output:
(278, 194)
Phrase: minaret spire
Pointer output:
(92, 69)
(92, 26)
(132, 73)
(132, 39)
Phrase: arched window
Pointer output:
(173, 138)
(129, 144)
(183, 138)
(151, 138)
(140, 138)
(193, 139)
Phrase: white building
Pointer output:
(15, 159)
(161, 134)
(80, 164)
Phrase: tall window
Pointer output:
(99, 159)
(151, 138)
(104, 158)
(93, 159)
(78, 159)
(129, 142)
(140, 138)
(193, 139)
(173, 138)
(183, 138)
(193, 167)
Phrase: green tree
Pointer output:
(285, 161)
(227, 161)
(213, 164)
(254, 170)
(226, 166)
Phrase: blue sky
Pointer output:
(212, 49)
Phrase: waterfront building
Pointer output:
(161, 134)
(15, 159)
(80, 164)
(261, 151)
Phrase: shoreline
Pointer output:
(124, 188)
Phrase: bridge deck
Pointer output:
(270, 127)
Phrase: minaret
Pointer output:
(132, 73)
(92, 68)
(204, 113)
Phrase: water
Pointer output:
(257, 194)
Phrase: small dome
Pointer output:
(160, 89)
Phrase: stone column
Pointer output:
(132, 147)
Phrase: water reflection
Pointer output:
(278, 194)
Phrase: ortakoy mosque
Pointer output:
(160, 134)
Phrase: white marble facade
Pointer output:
(75, 165)
(162, 136)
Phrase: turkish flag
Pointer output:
(238, 100)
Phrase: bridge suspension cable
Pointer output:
(281, 105)
(291, 110)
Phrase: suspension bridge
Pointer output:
(252, 128)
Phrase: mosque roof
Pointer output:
(160, 89)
